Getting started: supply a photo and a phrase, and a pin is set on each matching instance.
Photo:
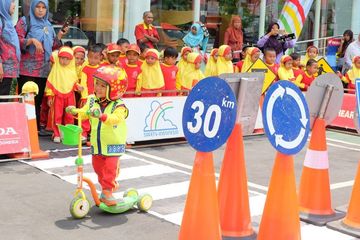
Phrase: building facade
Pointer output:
(107, 20)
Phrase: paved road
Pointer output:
(37, 193)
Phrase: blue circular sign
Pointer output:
(209, 114)
(286, 117)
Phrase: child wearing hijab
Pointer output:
(151, 78)
(210, 69)
(224, 64)
(182, 65)
(62, 82)
(285, 71)
(197, 38)
(132, 68)
(79, 55)
(352, 74)
(311, 53)
(305, 78)
(252, 54)
(193, 73)
(9, 47)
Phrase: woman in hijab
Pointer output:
(37, 41)
(270, 40)
(234, 37)
(9, 47)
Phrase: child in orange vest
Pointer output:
(305, 79)
(169, 70)
(132, 68)
(60, 86)
(151, 78)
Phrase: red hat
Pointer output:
(66, 52)
(113, 47)
(134, 47)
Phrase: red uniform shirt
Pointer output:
(140, 31)
(132, 72)
(89, 72)
(297, 71)
(307, 80)
(169, 73)
(122, 60)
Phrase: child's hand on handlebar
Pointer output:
(95, 112)
(70, 109)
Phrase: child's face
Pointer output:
(312, 69)
(150, 60)
(170, 60)
(288, 65)
(132, 57)
(357, 63)
(296, 62)
(64, 61)
(228, 57)
(216, 56)
(94, 58)
(79, 58)
(185, 56)
(270, 57)
(255, 57)
(312, 53)
(113, 57)
(124, 47)
(193, 30)
(100, 89)
(197, 65)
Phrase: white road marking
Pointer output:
(341, 185)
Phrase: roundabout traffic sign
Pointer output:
(209, 114)
(286, 117)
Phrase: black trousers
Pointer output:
(41, 82)
(5, 86)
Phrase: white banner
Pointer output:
(153, 118)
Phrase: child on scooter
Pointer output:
(108, 128)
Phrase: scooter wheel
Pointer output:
(145, 202)
(131, 192)
(79, 207)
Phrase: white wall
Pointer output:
(134, 15)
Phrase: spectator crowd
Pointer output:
(32, 51)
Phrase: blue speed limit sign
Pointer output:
(209, 114)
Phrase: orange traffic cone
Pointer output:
(201, 214)
(314, 191)
(36, 152)
(257, 129)
(351, 223)
(233, 193)
(280, 219)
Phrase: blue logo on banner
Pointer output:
(209, 114)
(286, 117)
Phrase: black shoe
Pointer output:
(44, 133)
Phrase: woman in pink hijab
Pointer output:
(234, 36)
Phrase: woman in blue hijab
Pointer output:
(197, 38)
(37, 41)
(9, 47)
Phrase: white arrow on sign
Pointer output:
(297, 98)
(290, 145)
(279, 92)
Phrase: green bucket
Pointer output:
(70, 134)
